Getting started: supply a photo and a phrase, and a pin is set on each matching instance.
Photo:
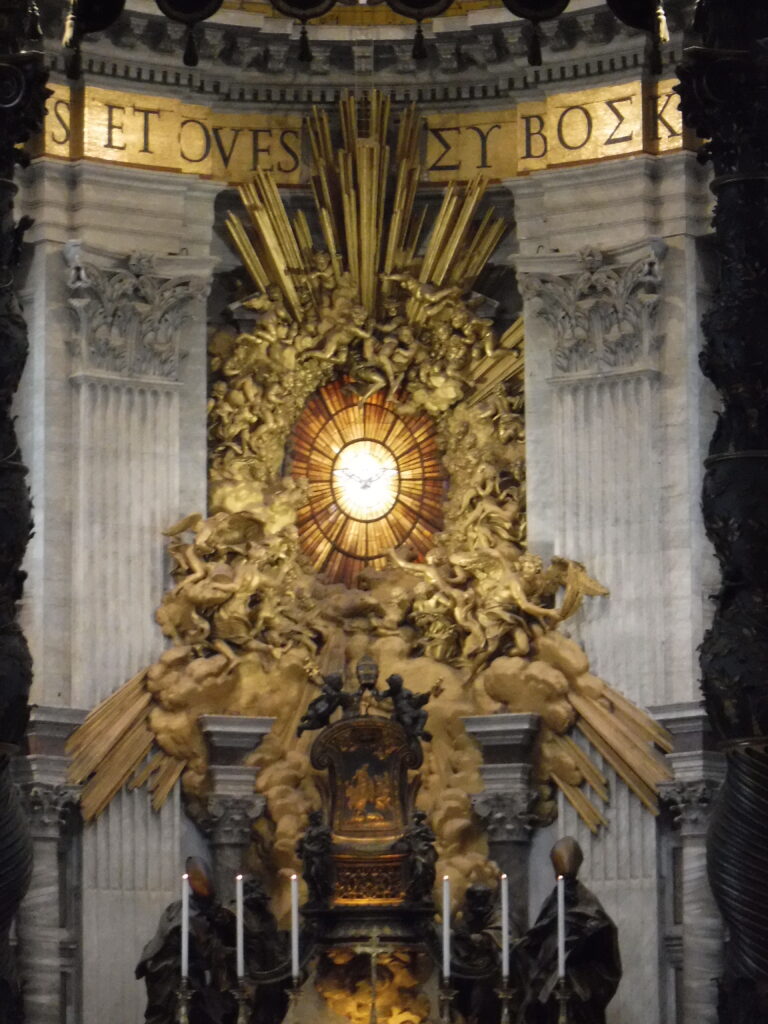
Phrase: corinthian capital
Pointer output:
(130, 312)
(601, 307)
(690, 802)
(506, 817)
(228, 820)
(51, 808)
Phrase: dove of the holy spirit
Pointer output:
(365, 480)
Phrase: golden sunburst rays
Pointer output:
(111, 748)
(374, 481)
(504, 366)
(365, 214)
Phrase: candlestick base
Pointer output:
(291, 1015)
(563, 996)
(505, 993)
(243, 1010)
(183, 996)
(445, 999)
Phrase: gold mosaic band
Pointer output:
(164, 133)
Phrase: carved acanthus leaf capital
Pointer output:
(602, 312)
(52, 808)
(690, 802)
(228, 820)
(506, 817)
(129, 318)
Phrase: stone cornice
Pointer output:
(478, 57)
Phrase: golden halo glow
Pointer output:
(374, 481)
(365, 480)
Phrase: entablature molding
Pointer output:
(472, 56)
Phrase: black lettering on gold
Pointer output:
(289, 150)
(447, 147)
(61, 111)
(483, 137)
(585, 114)
(225, 154)
(257, 150)
(612, 105)
(113, 127)
(659, 119)
(532, 133)
(147, 113)
(206, 140)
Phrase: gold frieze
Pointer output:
(162, 132)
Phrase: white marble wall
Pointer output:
(131, 871)
(614, 468)
(113, 428)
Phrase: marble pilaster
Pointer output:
(505, 805)
(112, 410)
(617, 417)
(699, 771)
(46, 926)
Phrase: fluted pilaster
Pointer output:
(702, 929)
(136, 344)
(51, 809)
(594, 356)
(127, 344)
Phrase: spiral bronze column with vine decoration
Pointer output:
(724, 97)
(22, 103)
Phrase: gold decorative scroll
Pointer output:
(165, 133)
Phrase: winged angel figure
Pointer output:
(251, 625)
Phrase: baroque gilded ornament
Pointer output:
(367, 497)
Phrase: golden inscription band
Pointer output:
(163, 133)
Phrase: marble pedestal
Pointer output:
(233, 807)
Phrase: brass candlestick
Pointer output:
(445, 998)
(505, 993)
(182, 1002)
(242, 1003)
(293, 997)
(563, 995)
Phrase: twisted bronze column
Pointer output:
(22, 98)
(724, 97)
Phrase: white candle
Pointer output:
(560, 926)
(185, 926)
(240, 926)
(446, 927)
(295, 927)
(504, 928)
